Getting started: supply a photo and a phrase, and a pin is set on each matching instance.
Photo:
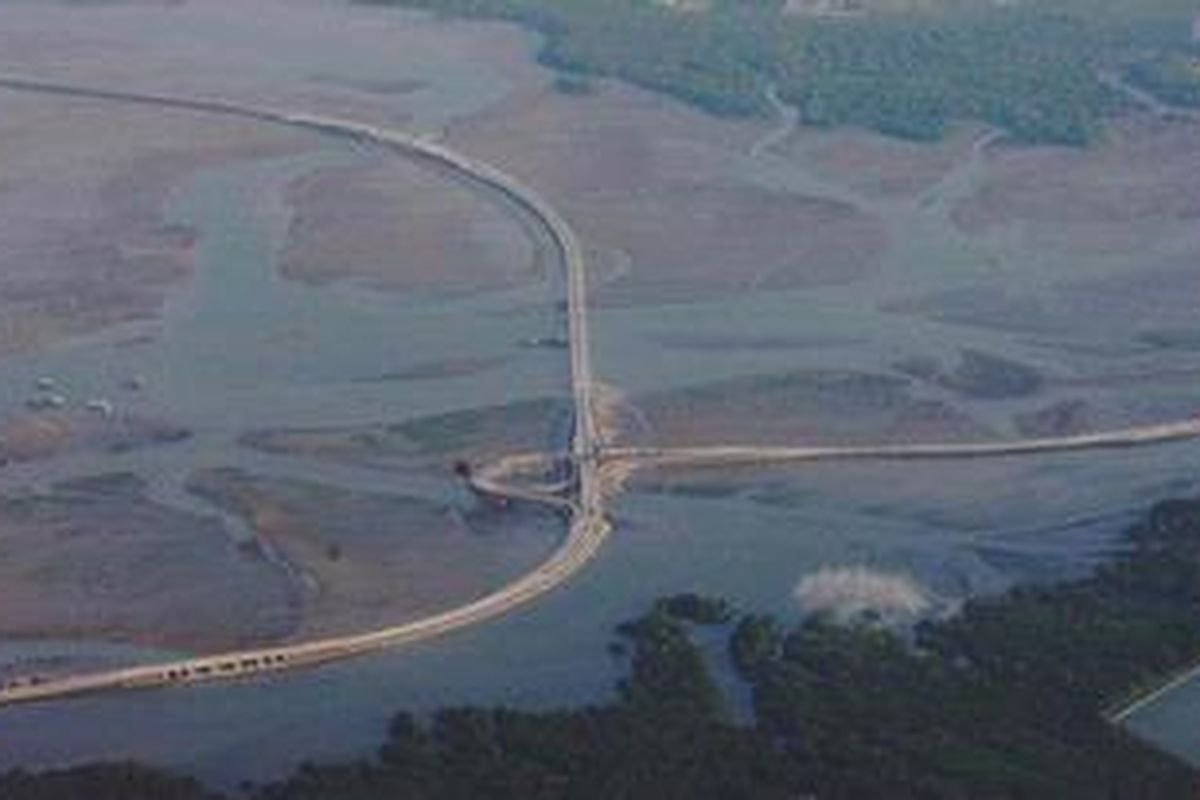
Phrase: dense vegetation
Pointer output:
(101, 782)
(1003, 700)
(1030, 67)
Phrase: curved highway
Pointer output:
(581, 496)
(588, 527)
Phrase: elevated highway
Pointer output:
(734, 455)
(581, 496)
(583, 500)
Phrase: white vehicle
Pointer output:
(100, 406)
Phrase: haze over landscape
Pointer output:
(599, 398)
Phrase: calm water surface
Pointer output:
(240, 348)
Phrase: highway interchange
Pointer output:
(583, 496)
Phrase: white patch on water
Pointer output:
(849, 592)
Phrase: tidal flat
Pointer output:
(334, 329)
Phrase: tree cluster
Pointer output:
(1005, 700)
(1030, 69)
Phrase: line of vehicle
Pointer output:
(582, 497)
(588, 527)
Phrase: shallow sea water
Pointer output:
(240, 348)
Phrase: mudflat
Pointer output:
(830, 288)
(397, 226)
(86, 244)
(662, 195)
(98, 559)
(360, 560)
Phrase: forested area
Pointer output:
(1006, 699)
(1030, 68)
